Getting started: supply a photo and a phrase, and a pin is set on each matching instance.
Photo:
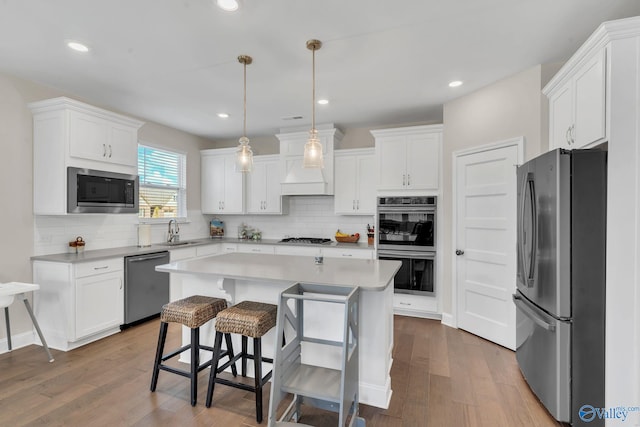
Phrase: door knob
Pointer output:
(459, 252)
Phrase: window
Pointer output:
(162, 183)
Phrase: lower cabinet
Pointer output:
(416, 305)
(256, 248)
(79, 303)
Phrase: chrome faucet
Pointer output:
(174, 233)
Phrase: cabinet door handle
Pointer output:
(567, 135)
(265, 205)
(120, 283)
(409, 179)
(405, 303)
(404, 182)
(358, 204)
(110, 151)
(101, 268)
(573, 134)
(104, 150)
(353, 205)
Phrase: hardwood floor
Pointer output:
(440, 377)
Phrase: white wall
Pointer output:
(308, 216)
(622, 356)
(512, 107)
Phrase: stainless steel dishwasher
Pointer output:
(145, 289)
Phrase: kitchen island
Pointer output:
(261, 277)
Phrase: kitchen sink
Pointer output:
(181, 243)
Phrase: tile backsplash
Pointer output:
(308, 216)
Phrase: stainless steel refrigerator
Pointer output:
(560, 297)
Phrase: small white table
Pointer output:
(8, 292)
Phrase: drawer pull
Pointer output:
(100, 268)
(405, 303)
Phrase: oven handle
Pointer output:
(410, 255)
(396, 209)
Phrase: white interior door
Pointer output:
(486, 242)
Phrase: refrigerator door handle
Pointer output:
(521, 266)
(531, 184)
(531, 314)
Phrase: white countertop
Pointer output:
(98, 254)
(369, 275)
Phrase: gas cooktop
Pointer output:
(306, 240)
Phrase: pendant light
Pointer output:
(244, 155)
(313, 148)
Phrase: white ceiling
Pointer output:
(382, 62)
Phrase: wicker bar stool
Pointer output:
(248, 319)
(192, 312)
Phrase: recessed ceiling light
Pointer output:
(455, 83)
(77, 46)
(223, 115)
(323, 101)
(228, 5)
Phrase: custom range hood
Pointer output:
(299, 181)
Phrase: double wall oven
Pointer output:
(407, 233)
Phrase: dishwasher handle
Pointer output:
(146, 258)
(531, 314)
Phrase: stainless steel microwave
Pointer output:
(94, 191)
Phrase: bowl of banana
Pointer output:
(346, 238)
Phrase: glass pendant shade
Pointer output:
(244, 156)
(313, 151)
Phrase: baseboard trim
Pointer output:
(17, 341)
(447, 319)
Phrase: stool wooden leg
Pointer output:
(257, 367)
(6, 318)
(195, 363)
(214, 367)
(162, 337)
(227, 338)
(244, 356)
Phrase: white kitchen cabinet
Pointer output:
(79, 302)
(343, 252)
(96, 138)
(70, 133)
(222, 188)
(416, 306)
(408, 159)
(263, 186)
(577, 104)
(256, 248)
(355, 178)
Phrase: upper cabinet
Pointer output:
(96, 138)
(71, 133)
(577, 103)
(263, 186)
(222, 188)
(356, 177)
(408, 159)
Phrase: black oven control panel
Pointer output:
(407, 201)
